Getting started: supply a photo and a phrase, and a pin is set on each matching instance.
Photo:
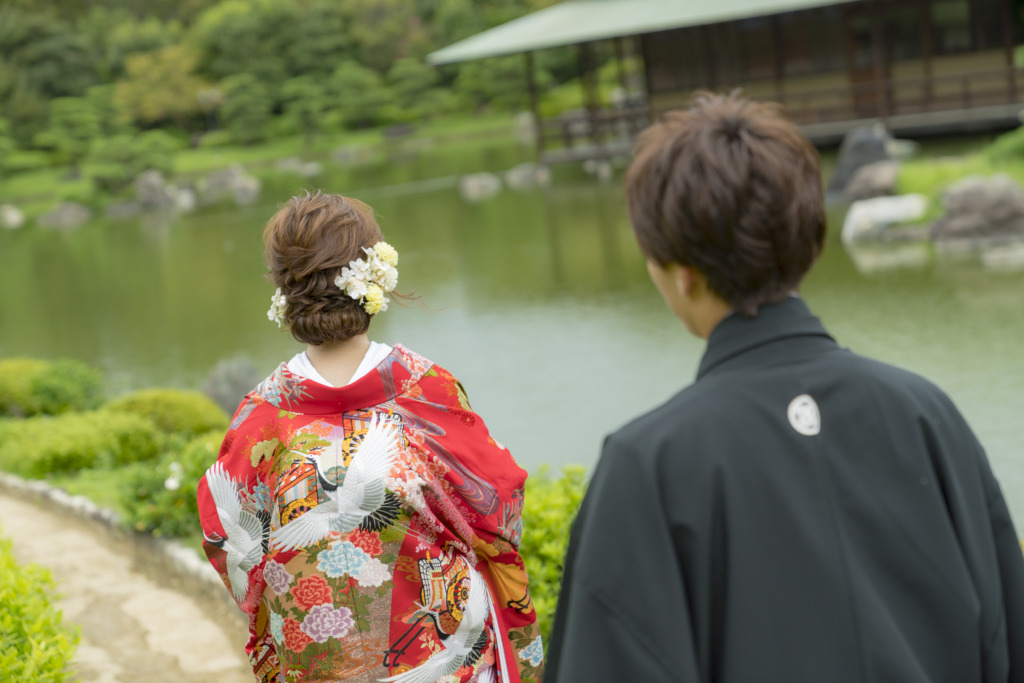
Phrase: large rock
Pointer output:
(230, 380)
(230, 183)
(980, 210)
(869, 219)
(11, 217)
(476, 187)
(874, 180)
(153, 192)
(67, 216)
(860, 147)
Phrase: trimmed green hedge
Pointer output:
(35, 644)
(29, 386)
(175, 411)
(551, 506)
(161, 499)
(37, 446)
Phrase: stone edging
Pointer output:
(168, 562)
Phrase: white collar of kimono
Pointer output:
(299, 365)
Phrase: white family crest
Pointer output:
(804, 415)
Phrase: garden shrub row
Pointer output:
(161, 498)
(551, 506)
(37, 446)
(29, 386)
(175, 411)
(35, 644)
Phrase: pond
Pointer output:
(537, 300)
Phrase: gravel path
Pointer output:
(134, 626)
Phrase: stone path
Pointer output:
(133, 626)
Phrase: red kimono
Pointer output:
(370, 531)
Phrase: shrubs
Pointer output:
(162, 499)
(37, 446)
(29, 386)
(34, 643)
(173, 410)
(551, 507)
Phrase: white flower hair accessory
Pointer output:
(368, 280)
(278, 306)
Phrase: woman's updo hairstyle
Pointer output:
(307, 243)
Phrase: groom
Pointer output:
(799, 514)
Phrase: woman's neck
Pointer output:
(338, 361)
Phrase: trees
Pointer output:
(73, 127)
(161, 86)
(246, 112)
(305, 102)
(358, 94)
(117, 161)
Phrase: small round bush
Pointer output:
(69, 385)
(16, 375)
(161, 499)
(175, 411)
(550, 508)
(35, 644)
(37, 446)
(30, 386)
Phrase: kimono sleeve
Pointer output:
(623, 609)
(234, 512)
(506, 575)
(1011, 572)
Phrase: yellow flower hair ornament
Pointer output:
(368, 279)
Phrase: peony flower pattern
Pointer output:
(366, 541)
(343, 559)
(277, 577)
(325, 621)
(277, 627)
(294, 639)
(373, 573)
(311, 591)
(533, 653)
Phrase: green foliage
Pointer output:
(360, 96)
(35, 644)
(115, 162)
(246, 112)
(384, 30)
(29, 386)
(500, 81)
(43, 58)
(175, 411)
(551, 506)
(161, 499)
(37, 446)
(304, 105)
(7, 146)
(1007, 147)
(74, 124)
(161, 86)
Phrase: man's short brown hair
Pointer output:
(732, 188)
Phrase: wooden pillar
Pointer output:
(1011, 68)
(780, 59)
(877, 10)
(927, 45)
(588, 79)
(531, 88)
(645, 60)
(620, 65)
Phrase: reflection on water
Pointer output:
(537, 300)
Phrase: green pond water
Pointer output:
(537, 300)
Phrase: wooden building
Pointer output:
(916, 66)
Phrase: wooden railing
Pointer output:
(899, 96)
